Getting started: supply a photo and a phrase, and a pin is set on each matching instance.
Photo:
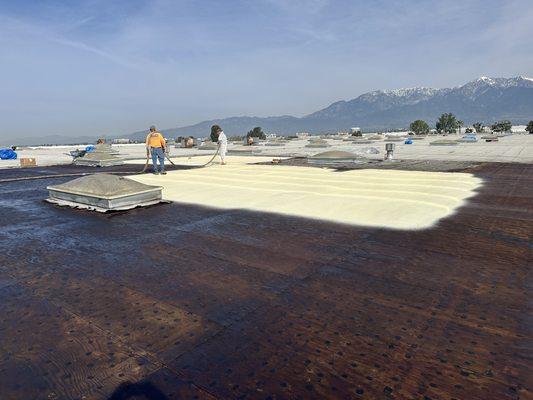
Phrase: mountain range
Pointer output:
(483, 100)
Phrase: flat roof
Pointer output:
(513, 148)
(186, 301)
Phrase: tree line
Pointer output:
(448, 123)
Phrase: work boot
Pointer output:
(163, 173)
(156, 173)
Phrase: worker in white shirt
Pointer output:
(222, 146)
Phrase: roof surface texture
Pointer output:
(187, 302)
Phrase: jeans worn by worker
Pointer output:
(158, 153)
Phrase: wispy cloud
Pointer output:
(44, 33)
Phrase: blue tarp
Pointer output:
(7, 154)
(89, 148)
(408, 141)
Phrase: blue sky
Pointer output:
(111, 67)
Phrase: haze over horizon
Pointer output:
(114, 67)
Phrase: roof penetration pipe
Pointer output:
(389, 149)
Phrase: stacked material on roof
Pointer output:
(104, 192)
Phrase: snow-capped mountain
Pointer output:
(379, 100)
(397, 96)
(481, 85)
(383, 100)
(481, 100)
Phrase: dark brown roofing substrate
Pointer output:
(181, 302)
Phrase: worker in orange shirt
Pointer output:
(155, 145)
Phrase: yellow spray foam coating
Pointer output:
(376, 198)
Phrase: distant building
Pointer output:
(302, 134)
(355, 130)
